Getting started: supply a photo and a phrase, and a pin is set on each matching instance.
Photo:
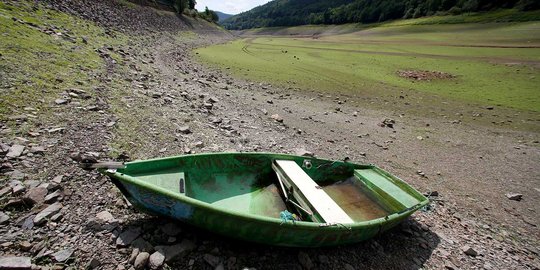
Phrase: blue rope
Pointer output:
(287, 216)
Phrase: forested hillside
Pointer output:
(300, 12)
(223, 16)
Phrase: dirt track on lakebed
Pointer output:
(471, 224)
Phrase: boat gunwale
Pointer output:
(306, 224)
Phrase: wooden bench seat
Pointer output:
(308, 194)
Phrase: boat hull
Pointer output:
(245, 226)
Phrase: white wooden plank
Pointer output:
(319, 200)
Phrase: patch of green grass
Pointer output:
(491, 17)
(366, 62)
(502, 15)
(43, 54)
(307, 30)
(37, 65)
(127, 3)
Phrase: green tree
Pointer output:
(180, 5)
(471, 6)
(525, 5)
(192, 4)
(213, 16)
(298, 12)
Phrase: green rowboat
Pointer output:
(270, 198)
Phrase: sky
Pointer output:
(229, 6)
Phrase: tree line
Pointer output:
(301, 12)
(187, 7)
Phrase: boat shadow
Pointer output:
(408, 246)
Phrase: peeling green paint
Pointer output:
(235, 194)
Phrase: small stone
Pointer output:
(47, 212)
(142, 245)
(14, 263)
(15, 151)
(105, 217)
(62, 255)
(199, 144)
(4, 148)
(514, 196)
(35, 195)
(469, 251)
(128, 236)
(156, 260)
(58, 179)
(28, 223)
(324, 259)
(141, 260)
(213, 100)
(184, 130)
(57, 217)
(304, 153)
(4, 191)
(277, 118)
(55, 130)
(16, 175)
(17, 188)
(37, 150)
(77, 91)
(4, 218)
(171, 229)
(32, 183)
(25, 246)
(53, 196)
(93, 263)
(216, 120)
(305, 260)
(60, 101)
(388, 123)
(212, 260)
(15, 203)
(134, 253)
(176, 251)
(348, 267)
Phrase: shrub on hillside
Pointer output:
(455, 11)
(525, 5)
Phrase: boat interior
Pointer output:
(308, 189)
